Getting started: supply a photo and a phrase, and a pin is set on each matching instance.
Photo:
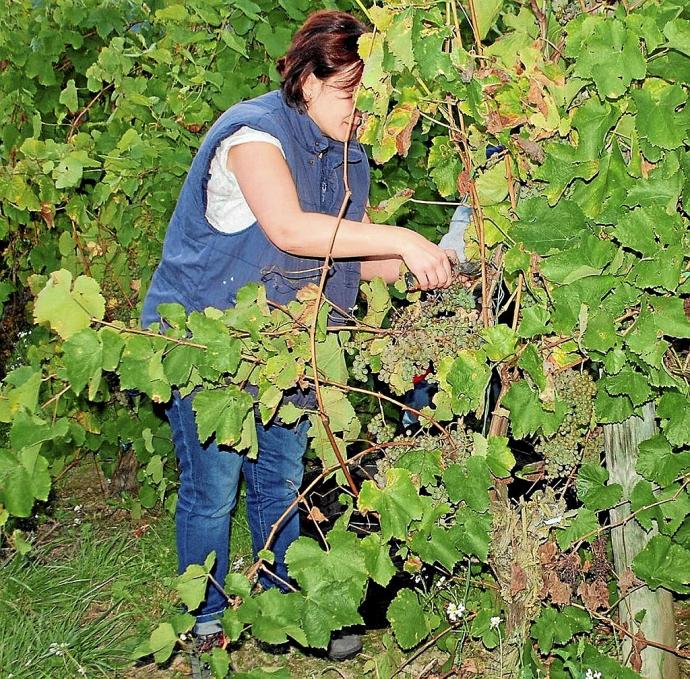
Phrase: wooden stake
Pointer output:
(621, 443)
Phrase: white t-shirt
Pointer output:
(226, 208)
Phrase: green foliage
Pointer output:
(664, 563)
(558, 627)
(582, 216)
(408, 620)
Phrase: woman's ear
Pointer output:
(311, 88)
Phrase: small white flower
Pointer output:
(77, 508)
(441, 580)
(183, 637)
(495, 622)
(57, 649)
(77, 521)
(455, 612)
(81, 670)
(238, 563)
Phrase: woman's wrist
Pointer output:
(406, 241)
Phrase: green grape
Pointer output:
(360, 369)
(565, 10)
(381, 430)
(531, 190)
(573, 443)
(442, 324)
(438, 494)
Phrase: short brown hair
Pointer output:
(325, 45)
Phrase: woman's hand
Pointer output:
(428, 263)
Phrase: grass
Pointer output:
(56, 615)
(96, 583)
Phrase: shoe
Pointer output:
(205, 643)
(344, 645)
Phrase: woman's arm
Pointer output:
(386, 268)
(267, 185)
(380, 267)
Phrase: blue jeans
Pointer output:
(209, 479)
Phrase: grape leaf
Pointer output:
(408, 620)
(472, 532)
(162, 642)
(487, 12)
(83, 359)
(433, 543)
(677, 33)
(399, 39)
(663, 563)
(558, 627)
(674, 408)
(657, 461)
(69, 308)
(377, 559)
(469, 482)
(68, 97)
(584, 523)
(444, 165)
(527, 415)
(21, 392)
(609, 54)
(544, 229)
(332, 583)
(658, 118)
(593, 490)
(222, 412)
(468, 376)
(397, 503)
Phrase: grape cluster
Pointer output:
(360, 369)
(450, 300)
(565, 10)
(575, 441)
(442, 324)
(457, 449)
(531, 190)
(381, 430)
(438, 494)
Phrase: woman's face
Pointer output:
(330, 106)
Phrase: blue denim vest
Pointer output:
(202, 267)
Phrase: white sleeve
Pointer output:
(246, 134)
(226, 208)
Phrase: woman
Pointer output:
(259, 204)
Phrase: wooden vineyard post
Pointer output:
(621, 444)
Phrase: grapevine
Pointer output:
(580, 223)
(425, 443)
